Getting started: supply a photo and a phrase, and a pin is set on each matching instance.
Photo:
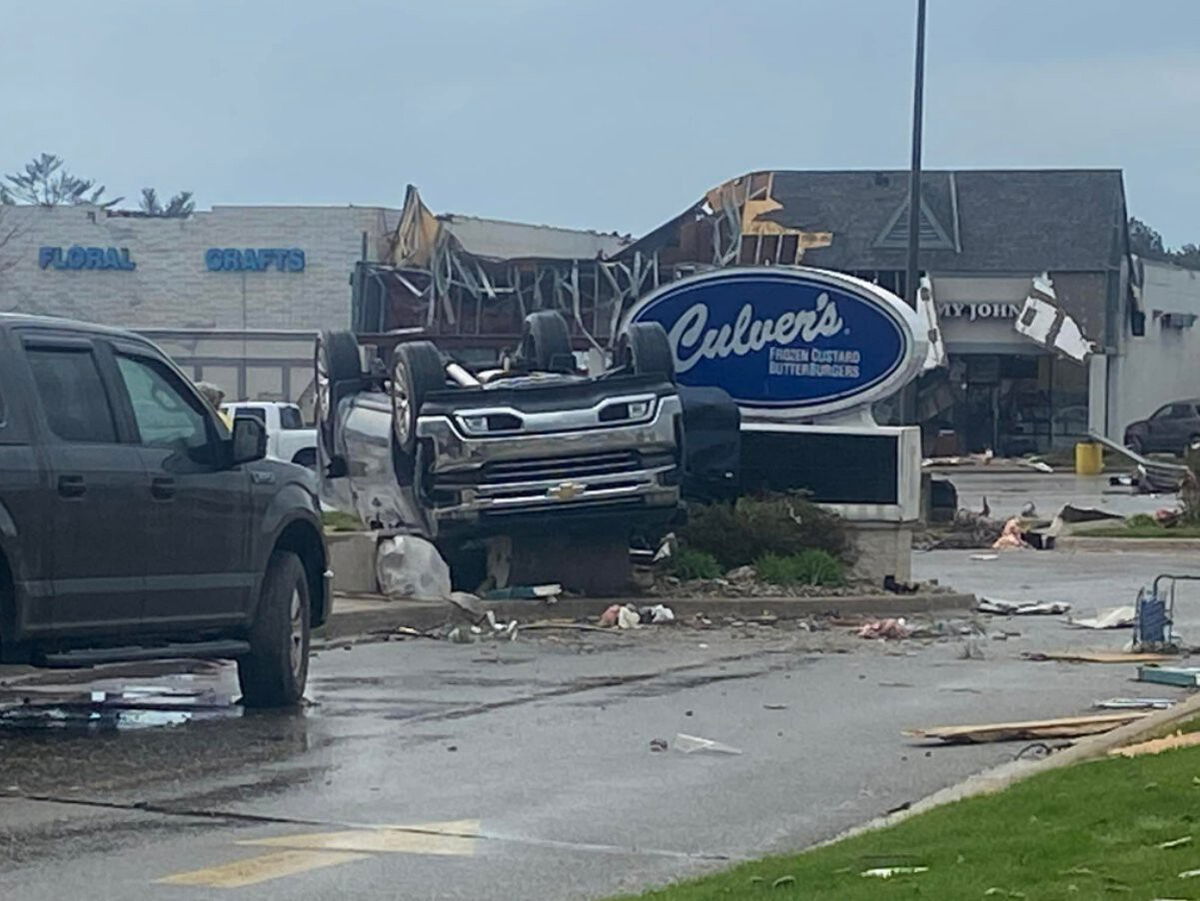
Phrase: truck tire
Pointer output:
(416, 370)
(645, 350)
(336, 360)
(274, 672)
(545, 339)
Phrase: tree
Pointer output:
(1145, 241)
(45, 183)
(178, 207)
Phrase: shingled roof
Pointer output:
(973, 221)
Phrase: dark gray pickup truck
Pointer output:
(135, 526)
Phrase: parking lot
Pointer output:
(428, 769)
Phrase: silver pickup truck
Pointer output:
(429, 446)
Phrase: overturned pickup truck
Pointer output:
(532, 447)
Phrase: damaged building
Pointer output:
(986, 237)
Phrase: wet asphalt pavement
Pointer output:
(426, 769)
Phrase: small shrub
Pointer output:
(740, 533)
(810, 567)
(689, 563)
(1141, 521)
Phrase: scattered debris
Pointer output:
(1044, 322)
(408, 566)
(1064, 727)
(628, 617)
(1134, 704)
(1152, 476)
(1039, 465)
(1176, 843)
(775, 706)
(658, 744)
(1158, 745)
(745, 573)
(782, 881)
(1020, 608)
(889, 872)
(543, 625)
(1189, 874)
(689, 744)
(886, 628)
(609, 617)
(657, 615)
(1183, 676)
(1107, 618)
(1029, 510)
(524, 593)
(985, 556)
(1011, 537)
(1072, 515)
(1096, 657)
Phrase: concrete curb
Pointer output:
(1131, 545)
(990, 781)
(364, 614)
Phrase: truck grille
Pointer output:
(549, 468)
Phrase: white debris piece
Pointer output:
(935, 356)
(1045, 323)
(408, 566)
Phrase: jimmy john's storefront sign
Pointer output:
(788, 342)
(974, 311)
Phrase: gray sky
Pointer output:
(607, 114)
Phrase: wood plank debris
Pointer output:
(1004, 607)
(1134, 704)
(1063, 727)
(1098, 657)
(1158, 745)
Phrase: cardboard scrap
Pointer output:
(1158, 745)
(1064, 727)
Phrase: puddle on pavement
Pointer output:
(132, 707)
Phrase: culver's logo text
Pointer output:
(691, 340)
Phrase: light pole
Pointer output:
(908, 395)
(914, 172)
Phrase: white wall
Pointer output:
(1165, 364)
(171, 286)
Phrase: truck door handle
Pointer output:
(162, 488)
(71, 486)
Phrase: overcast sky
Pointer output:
(603, 114)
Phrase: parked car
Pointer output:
(430, 446)
(134, 525)
(1171, 429)
(288, 438)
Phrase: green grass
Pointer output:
(336, 521)
(810, 567)
(689, 563)
(1084, 832)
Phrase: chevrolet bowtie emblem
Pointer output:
(565, 491)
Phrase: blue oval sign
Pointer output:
(798, 341)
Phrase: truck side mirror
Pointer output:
(249, 441)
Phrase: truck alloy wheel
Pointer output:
(336, 361)
(416, 370)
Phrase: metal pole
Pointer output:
(908, 396)
(914, 173)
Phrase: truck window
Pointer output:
(290, 418)
(251, 413)
(72, 394)
(166, 416)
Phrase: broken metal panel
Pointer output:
(927, 310)
(1045, 323)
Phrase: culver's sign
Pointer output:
(788, 342)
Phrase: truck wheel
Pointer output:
(337, 359)
(545, 338)
(274, 672)
(417, 369)
(645, 350)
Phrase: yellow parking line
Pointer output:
(262, 869)
(455, 838)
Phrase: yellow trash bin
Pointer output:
(1089, 458)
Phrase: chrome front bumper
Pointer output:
(617, 467)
